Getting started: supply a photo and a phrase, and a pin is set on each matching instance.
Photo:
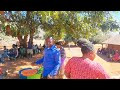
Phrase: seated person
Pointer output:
(22, 52)
(36, 49)
(5, 54)
(13, 52)
(40, 47)
(2, 58)
(116, 56)
(98, 51)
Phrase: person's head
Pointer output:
(98, 48)
(58, 44)
(13, 46)
(49, 41)
(4, 47)
(87, 48)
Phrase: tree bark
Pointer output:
(22, 41)
(32, 31)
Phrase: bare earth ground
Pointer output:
(13, 67)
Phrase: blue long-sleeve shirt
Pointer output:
(51, 61)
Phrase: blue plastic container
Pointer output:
(20, 74)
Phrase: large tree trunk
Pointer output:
(32, 31)
(22, 41)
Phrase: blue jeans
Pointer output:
(11, 55)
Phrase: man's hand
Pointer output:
(40, 65)
(33, 64)
(49, 77)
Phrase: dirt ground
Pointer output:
(13, 67)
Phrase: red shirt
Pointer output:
(78, 68)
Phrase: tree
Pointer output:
(99, 37)
(73, 24)
(76, 24)
(22, 24)
(110, 25)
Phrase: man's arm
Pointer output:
(40, 61)
(57, 64)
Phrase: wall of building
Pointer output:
(115, 47)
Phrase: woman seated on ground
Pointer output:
(116, 56)
(13, 52)
(84, 67)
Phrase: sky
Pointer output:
(116, 15)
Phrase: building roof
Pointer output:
(115, 40)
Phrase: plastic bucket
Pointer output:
(20, 74)
(37, 75)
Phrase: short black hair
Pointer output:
(85, 45)
(58, 43)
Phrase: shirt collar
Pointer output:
(53, 46)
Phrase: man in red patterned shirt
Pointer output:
(84, 67)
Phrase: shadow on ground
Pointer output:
(13, 66)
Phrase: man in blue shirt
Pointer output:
(51, 60)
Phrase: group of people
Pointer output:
(76, 68)
(113, 55)
(19, 52)
(54, 59)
